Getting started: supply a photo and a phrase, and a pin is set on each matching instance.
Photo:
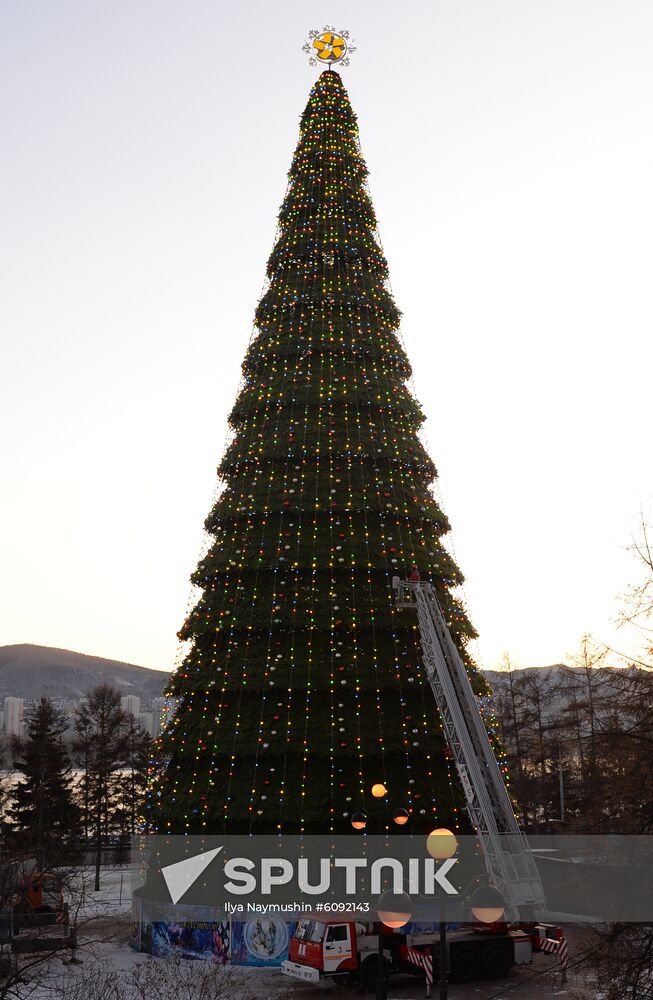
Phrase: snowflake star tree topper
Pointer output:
(328, 46)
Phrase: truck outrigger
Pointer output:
(328, 947)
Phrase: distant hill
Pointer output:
(499, 678)
(558, 685)
(32, 672)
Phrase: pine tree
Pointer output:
(301, 685)
(101, 745)
(44, 822)
(131, 784)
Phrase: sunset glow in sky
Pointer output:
(144, 154)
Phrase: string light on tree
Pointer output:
(300, 683)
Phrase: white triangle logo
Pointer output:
(181, 876)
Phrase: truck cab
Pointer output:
(40, 892)
(328, 947)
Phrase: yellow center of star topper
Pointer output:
(328, 46)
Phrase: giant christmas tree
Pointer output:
(301, 685)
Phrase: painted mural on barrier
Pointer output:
(136, 925)
(208, 940)
(263, 941)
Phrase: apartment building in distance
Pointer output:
(13, 716)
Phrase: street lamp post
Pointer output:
(487, 903)
(395, 910)
(444, 958)
(359, 821)
(381, 973)
(442, 844)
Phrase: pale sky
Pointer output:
(142, 163)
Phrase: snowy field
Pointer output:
(110, 970)
(107, 968)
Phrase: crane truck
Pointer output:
(333, 947)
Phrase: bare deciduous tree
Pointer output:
(625, 961)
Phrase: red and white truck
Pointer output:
(331, 947)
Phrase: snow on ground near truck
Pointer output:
(252, 984)
(107, 957)
(114, 897)
(105, 954)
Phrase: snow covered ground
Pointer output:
(107, 968)
(114, 897)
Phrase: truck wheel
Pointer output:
(465, 965)
(496, 963)
(369, 971)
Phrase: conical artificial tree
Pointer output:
(302, 685)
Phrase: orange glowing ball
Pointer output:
(394, 920)
(487, 904)
(379, 790)
(487, 914)
(441, 844)
(394, 909)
